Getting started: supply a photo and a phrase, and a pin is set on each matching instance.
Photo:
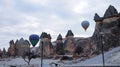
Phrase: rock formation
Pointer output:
(59, 45)
(69, 42)
(107, 32)
(0, 53)
(4, 53)
(21, 46)
(83, 46)
(11, 49)
(47, 45)
(109, 26)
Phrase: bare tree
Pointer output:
(28, 56)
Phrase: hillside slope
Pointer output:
(112, 58)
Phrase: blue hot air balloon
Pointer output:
(85, 24)
(34, 39)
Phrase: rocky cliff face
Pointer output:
(85, 44)
(11, 49)
(21, 46)
(109, 26)
(69, 43)
(47, 45)
(59, 50)
(107, 32)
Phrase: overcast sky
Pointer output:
(20, 18)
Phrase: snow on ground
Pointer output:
(20, 62)
(112, 57)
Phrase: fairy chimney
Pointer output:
(59, 45)
(69, 42)
(11, 49)
(47, 45)
(109, 24)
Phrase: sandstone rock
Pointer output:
(21, 46)
(110, 29)
(11, 49)
(69, 42)
(110, 11)
(97, 17)
(47, 45)
(59, 45)
(59, 37)
(69, 33)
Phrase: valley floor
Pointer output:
(112, 58)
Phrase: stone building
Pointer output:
(47, 45)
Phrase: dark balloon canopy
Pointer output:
(34, 39)
(85, 24)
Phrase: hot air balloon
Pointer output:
(34, 39)
(85, 25)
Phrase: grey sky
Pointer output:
(20, 18)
